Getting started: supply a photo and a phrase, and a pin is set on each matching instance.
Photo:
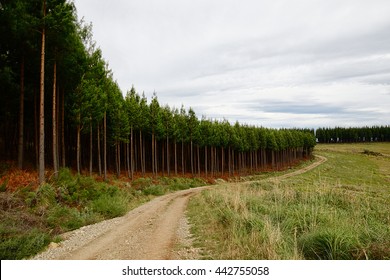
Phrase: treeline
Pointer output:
(61, 107)
(353, 134)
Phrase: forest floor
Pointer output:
(158, 229)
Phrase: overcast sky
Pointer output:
(272, 63)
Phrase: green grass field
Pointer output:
(339, 210)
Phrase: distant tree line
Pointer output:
(353, 134)
(61, 107)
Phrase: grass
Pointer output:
(32, 218)
(340, 210)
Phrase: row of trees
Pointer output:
(353, 134)
(49, 63)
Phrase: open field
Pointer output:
(339, 210)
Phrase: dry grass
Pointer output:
(340, 210)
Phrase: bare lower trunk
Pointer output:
(132, 154)
(42, 108)
(98, 148)
(175, 158)
(192, 159)
(90, 148)
(205, 160)
(198, 160)
(182, 156)
(153, 171)
(222, 160)
(118, 157)
(63, 128)
(168, 167)
(105, 146)
(54, 122)
(36, 132)
(142, 154)
(78, 149)
(21, 117)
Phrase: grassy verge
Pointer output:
(339, 210)
(32, 218)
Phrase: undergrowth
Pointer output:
(31, 218)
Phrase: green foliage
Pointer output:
(16, 245)
(328, 244)
(63, 218)
(110, 206)
(353, 134)
(154, 190)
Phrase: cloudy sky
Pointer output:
(273, 63)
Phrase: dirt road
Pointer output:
(155, 230)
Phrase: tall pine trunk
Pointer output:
(153, 165)
(198, 160)
(192, 159)
(78, 145)
(36, 130)
(90, 148)
(141, 153)
(205, 160)
(54, 122)
(21, 117)
(175, 158)
(182, 156)
(132, 153)
(155, 155)
(168, 158)
(118, 159)
(42, 106)
(98, 149)
(63, 128)
(105, 146)
(222, 160)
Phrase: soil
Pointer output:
(157, 230)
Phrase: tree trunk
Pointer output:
(63, 128)
(141, 153)
(118, 159)
(192, 159)
(98, 150)
(212, 161)
(175, 158)
(205, 160)
(155, 155)
(54, 122)
(21, 117)
(222, 160)
(182, 156)
(153, 165)
(105, 146)
(198, 155)
(90, 148)
(127, 159)
(78, 146)
(132, 153)
(168, 158)
(42, 107)
(36, 132)
(163, 158)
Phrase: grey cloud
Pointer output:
(220, 54)
(299, 107)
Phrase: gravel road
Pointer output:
(157, 230)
